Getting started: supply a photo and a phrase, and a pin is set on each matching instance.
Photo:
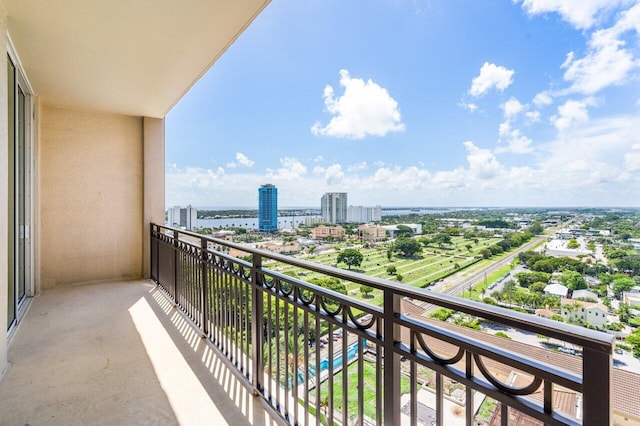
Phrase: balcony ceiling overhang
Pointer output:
(134, 57)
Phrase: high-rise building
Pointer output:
(268, 208)
(186, 217)
(361, 214)
(334, 207)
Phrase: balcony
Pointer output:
(290, 341)
(218, 339)
(118, 353)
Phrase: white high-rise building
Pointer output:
(334, 207)
(182, 217)
(361, 214)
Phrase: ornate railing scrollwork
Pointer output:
(437, 358)
(511, 390)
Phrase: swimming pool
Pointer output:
(352, 351)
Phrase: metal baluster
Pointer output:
(391, 359)
(257, 325)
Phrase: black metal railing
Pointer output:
(318, 356)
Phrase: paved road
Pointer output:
(455, 284)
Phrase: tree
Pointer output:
(629, 263)
(399, 278)
(486, 253)
(536, 228)
(391, 270)
(634, 340)
(537, 287)
(622, 284)
(407, 247)
(441, 239)
(525, 279)
(330, 283)
(366, 290)
(573, 280)
(441, 314)
(352, 257)
(623, 312)
(573, 244)
(404, 230)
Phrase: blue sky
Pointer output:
(418, 103)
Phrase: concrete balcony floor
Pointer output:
(114, 354)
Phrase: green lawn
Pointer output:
(432, 264)
(368, 390)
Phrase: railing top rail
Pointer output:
(590, 339)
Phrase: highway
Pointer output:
(455, 284)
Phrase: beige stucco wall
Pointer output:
(153, 183)
(4, 195)
(91, 196)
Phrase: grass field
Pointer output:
(368, 390)
(432, 264)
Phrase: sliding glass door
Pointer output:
(19, 170)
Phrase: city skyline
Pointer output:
(418, 103)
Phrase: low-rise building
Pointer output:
(556, 290)
(416, 228)
(584, 295)
(321, 232)
(545, 313)
(631, 298)
(372, 232)
(282, 247)
(588, 312)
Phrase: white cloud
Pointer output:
(607, 63)
(632, 159)
(490, 76)
(468, 106)
(594, 163)
(358, 166)
(318, 159)
(241, 161)
(291, 169)
(334, 174)
(512, 108)
(482, 163)
(533, 116)
(601, 141)
(364, 109)
(570, 113)
(517, 143)
(542, 99)
(582, 14)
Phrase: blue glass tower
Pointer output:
(268, 208)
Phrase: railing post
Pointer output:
(175, 267)
(596, 387)
(204, 248)
(391, 365)
(257, 325)
(152, 254)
